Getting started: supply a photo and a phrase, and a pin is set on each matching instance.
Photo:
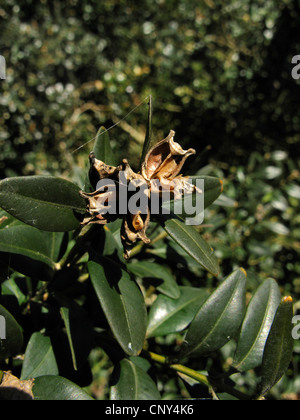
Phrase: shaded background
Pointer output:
(219, 73)
(220, 76)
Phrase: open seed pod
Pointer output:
(99, 204)
(160, 172)
(99, 170)
(134, 228)
(165, 160)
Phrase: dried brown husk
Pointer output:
(163, 162)
(134, 228)
(12, 388)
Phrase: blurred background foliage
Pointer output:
(220, 76)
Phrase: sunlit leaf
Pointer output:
(279, 347)
(122, 303)
(56, 388)
(218, 319)
(133, 384)
(174, 315)
(193, 243)
(256, 326)
(47, 203)
(39, 359)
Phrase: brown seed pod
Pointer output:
(165, 160)
(163, 163)
(11, 388)
(134, 228)
(99, 170)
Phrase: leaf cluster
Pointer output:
(70, 298)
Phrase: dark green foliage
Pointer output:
(93, 299)
(89, 325)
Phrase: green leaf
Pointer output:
(133, 384)
(122, 303)
(256, 326)
(174, 315)
(39, 358)
(192, 242)
(12, 343)
(47, 203)
(31, 242)
(219, 319)
(166, 283)
(56, 388)
(79, 330)
(279, 347)
(102, 148)
(12, 288)
(65, 313)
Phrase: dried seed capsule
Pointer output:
(165, 160)
(99, 170)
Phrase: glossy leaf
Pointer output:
(133, 384)
(219, 319)
(122, 303)
(256, 326)
(31, 242)
(39, 358)
(102, 147)
(47, 203)
(12, 344)
(174, 315)
(193, 243)
(165, 283)
(56, 388)
(279, 347)
(11, 288)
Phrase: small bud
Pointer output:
(287, 299)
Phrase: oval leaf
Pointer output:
(133, 384)
(165, 283)
(219, 319)
(39, 358)
(11, 336)
(31, 242)
(174, 315)
(56, 388)
(256, 326)
(279, 347)
(47, 203)
(192, 242)
(122, 302)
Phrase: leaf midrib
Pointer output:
(30, 252)
(171, 313)
(258, 334)
(43, 202)
(208, 257)
(219, 319)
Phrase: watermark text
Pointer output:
(2, 328)
(179, 197)
(296, 69)
(2, 68)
